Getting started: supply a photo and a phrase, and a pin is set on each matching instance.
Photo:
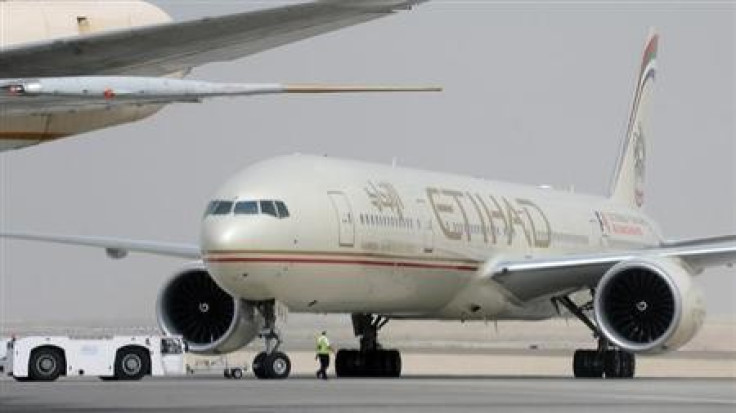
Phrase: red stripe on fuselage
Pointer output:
(298, 260)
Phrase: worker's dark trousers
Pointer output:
(324, 363)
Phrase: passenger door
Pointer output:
(425, 226)
(345, 219)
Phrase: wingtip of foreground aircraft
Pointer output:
(307, 88)
(90, 92)
(104, 79)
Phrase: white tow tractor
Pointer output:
(40, 358)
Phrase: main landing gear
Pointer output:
(271, 364)
(604, 361)
(371, 360)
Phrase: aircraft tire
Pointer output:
(376, 363)
(619, 364)
(347, 363)
(394, 357)
(587, 364)
(259, 366)
(278, 366)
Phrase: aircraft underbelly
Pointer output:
(26, 130)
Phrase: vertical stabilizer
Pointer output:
(628, 181)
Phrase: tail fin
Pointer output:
(628, 180)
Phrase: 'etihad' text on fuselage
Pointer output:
(498, 218)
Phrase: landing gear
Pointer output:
(271, 364)
(605, 361)
(376, 363)
(371, 360)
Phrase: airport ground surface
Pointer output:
(408, 394)
(434, 381)
(447, 367)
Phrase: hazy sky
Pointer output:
(535, 92)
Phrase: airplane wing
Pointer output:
(534, 278)
(49, 95)
(172, 47)
(526, 279)
(115, 247)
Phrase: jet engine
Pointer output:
(211, 321)
(649, 305)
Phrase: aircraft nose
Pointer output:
(219, 235)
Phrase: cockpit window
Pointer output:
(276, 209)
(281, 208)
(268, 208)
(218, 207)
(210, 207)
(246, 208)
(222, 208)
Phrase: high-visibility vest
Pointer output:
(323, 345)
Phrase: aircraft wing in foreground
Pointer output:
(53, 95)
(107, 68)
(162, 49)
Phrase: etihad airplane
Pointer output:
(68, 67)
(381, 242)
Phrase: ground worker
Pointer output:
(323, 355)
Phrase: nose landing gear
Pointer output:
(371, 360)
(271, 364)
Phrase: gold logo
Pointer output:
(384, 196)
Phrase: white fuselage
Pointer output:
(371, 238)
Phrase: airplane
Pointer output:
(382, 242)
(73, 67)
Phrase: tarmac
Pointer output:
(448, 367)
(434, 381)
(408, 394)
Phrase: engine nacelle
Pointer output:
(649, 305)
(211, 321)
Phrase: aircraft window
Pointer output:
(246, 208)
(222, 208)
(268, 208)
(281, 208)
(210, 208)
